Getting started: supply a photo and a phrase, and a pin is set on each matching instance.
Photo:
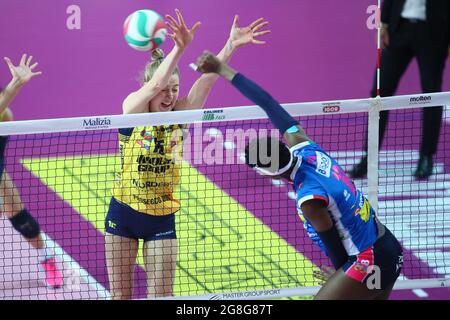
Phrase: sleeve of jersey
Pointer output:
(310, 191)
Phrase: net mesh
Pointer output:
(415, 209)
(236, 231)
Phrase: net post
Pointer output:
(373, 151)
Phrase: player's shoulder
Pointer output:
(317, 164)
(304, 147)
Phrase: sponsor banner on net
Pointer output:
(423, 99)
(96, 123)
(213, 115)
(245, 294)
(331, 107)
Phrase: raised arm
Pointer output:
(21, 74)
(288, 126)
(238, 37)
(137, 101)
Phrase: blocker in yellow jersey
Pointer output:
(150, 168)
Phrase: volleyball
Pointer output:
(144, 30)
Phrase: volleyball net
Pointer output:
(239, 235)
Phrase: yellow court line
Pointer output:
(222, 246)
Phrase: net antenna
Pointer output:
(375, 107)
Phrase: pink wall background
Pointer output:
(318, 50)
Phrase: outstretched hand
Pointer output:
(182, 35)
(208, 63)
(24, 71)
(249, 34)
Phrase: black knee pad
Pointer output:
(26, 224)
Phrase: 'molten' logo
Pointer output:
(420, 99)
(96, 123)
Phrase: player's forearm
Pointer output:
(224, 56)
(317, 214)
(166, 69)
(202, 87)
(227, 52)
(281, 119)
(9, 93)
(137, 102)
(335, 249)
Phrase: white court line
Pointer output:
(67, 259)
(434, 256)
(420, 293)
(409, 203)
(277, 182)
(443, 269)
(441, 225)
(385, 155)
(429, 246)
(419, 225)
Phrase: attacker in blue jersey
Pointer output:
(365, 254)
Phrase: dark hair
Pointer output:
(269, 153)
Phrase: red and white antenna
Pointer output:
(379, 46)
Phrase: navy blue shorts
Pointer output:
(3, 142)
(124, 221)
(380, 265)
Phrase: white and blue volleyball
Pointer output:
(144, 30)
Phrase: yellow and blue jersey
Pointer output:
(150, 168)
(320, 177)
